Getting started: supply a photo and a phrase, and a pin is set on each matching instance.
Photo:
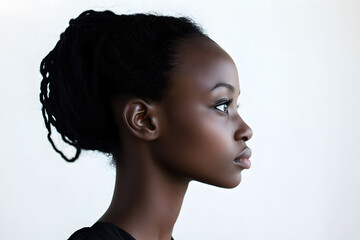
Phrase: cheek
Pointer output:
(202, 134)
(201, 147)
(211, 139)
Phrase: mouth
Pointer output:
(243, 160)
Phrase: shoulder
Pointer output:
(100, 231)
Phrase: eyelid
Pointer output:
(223, 101)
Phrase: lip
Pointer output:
(243, 160)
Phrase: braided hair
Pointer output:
(101, 55)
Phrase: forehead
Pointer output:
(200, 65)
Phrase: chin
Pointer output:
(232, 184)
(225, 183)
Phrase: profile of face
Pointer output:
(202, 136)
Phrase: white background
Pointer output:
(299, 67)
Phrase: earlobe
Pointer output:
(141, 119)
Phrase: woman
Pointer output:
(159, 96)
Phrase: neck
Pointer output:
(147, 199)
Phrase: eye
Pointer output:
(223, 106)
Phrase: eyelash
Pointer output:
(225, 102)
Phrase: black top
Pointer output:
(101, 231)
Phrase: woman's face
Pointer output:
(201, 131)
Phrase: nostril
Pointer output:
(244, 132)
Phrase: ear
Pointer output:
(141, 118)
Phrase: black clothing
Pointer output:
(101, 231)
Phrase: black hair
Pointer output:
(101, 55)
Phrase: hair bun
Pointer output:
(101, 55)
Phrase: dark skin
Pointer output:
(192, 134)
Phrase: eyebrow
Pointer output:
(226, 85)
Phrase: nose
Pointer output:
(243, 132)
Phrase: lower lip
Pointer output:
(244, 163)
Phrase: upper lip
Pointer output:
(245, 154)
